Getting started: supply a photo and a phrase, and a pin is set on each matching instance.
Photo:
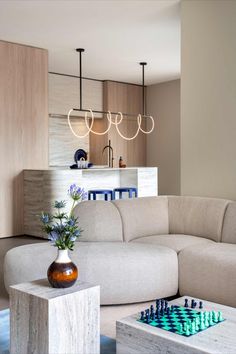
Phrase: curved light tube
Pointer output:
(90, 128)
(153, 124)
(115, 122)
(110, 122)
(118, 130)
(139, 121)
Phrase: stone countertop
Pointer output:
(90, 169)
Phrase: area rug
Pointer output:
(108, 345)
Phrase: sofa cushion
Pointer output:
(143, 216)
(229, 226)
(175, 242)
(99, 220)
(197, 216)
(209, 272)
(126, 272)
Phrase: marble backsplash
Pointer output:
(62, 143)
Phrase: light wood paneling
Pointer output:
(23, 126)
(115, 99)
(97, 143)
(126, 98)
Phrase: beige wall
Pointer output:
(163, 144)
(208, 98)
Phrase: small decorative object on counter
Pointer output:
(121, 163)
(82, 163)
(63, 230)
(81, 160)
(80, 153)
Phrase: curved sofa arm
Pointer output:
(27, 263)
(126, 272)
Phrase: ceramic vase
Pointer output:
(62, 273)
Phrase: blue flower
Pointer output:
(61, 227)
(45, 218)
(77, 193)
(77, 233)
(71, 222)
(59, 205)
(53, 236)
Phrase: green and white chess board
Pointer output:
(185, 321)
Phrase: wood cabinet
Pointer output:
(23, 126)
(126, 98)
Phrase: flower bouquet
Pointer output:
(63, 230)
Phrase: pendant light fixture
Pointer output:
(118, 116)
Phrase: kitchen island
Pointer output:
(43, 187)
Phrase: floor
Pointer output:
(109, 314)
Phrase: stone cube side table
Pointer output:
(44, 320)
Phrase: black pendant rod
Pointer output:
(106, 112)
(80, 50)
(80, 109)
(143, 63)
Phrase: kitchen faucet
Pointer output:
(110, 153)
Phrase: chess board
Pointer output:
(179, 316)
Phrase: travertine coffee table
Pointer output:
(45, 320)
(133, 337)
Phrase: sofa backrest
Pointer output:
(197, 216)
(143, 216)
(229, 227)
(128, 219)
(100, 221)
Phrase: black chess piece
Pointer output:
(142, 316)
(200, 305)
(186, 303)
(152, 308)
(157, 314)
(166, 305)
(192, 304)
(162, 302)
(147, 319)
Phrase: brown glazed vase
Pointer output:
(62, 273)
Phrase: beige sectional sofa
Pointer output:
(145, 248)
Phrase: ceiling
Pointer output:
(116, 35)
